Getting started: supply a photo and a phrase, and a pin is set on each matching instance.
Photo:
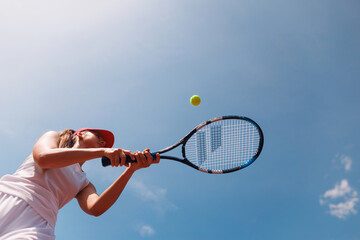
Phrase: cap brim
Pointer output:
(107, 136)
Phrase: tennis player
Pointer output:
(52, 176)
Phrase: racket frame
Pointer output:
(203, 124)
(184, 140)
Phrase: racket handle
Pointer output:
(106, 161)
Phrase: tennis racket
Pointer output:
(219, 145)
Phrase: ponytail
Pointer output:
(66, 139)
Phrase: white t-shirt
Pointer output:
(45, 190)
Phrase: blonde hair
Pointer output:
(66, 139)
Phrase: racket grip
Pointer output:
(106, 161)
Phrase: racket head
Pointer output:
(223, 144)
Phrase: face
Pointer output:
(91, 139)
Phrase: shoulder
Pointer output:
(51, 138)
(51, 134)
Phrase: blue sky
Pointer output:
(131, 67)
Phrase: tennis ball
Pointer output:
(195, 100)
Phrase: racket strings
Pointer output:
(223, 145)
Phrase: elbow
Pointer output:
(96, 213)
(93, 211)
(41, 160)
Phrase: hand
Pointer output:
(117, 156)
(143, 160)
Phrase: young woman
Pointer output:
(52, 176)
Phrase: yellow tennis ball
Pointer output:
(195, 100)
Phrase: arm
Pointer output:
(47, 153)
(93, 204)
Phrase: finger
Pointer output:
(142, 156)
(144, 159)
(113, 158)
(157, 160)
(147, 154)
(138, 157)
(122, 157)
(149, 158)
(131, 155)
(128, 154)
(112, 162)
(116, 159)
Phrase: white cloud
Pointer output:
(341, 200)
(153, 194)
(347, 161)
(146, 193)
(146, 231)
(344, 209)
(339, 191)
(344, 160)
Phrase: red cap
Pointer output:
(106, 135)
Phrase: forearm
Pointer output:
(96, 205)
(111, 194)
(62, 157)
